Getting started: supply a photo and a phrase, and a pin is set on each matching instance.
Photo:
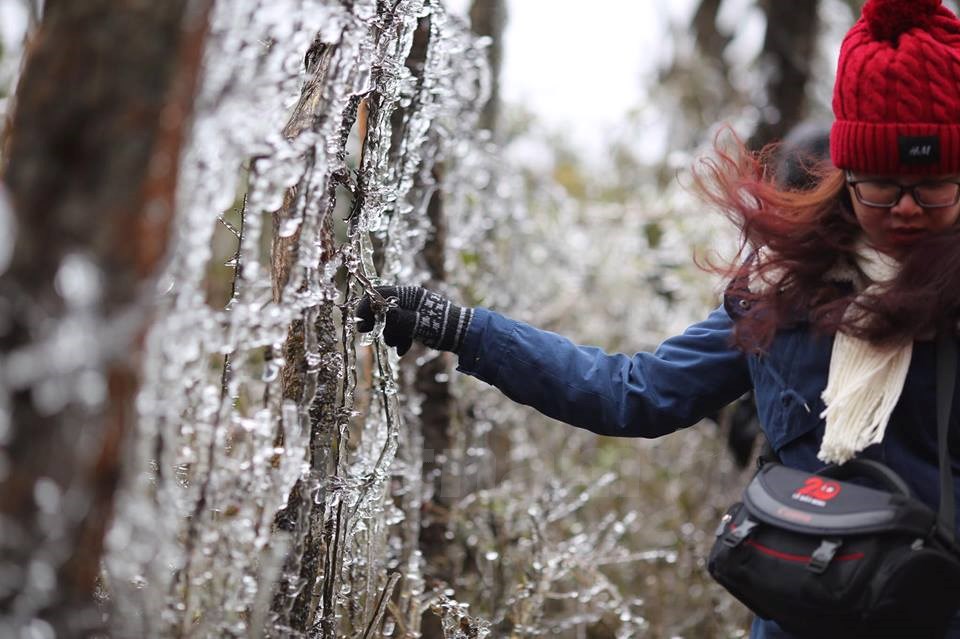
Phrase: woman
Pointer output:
(830, 315)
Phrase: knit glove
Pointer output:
(420, 314)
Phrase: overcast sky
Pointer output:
(580, 67)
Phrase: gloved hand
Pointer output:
(420, 314)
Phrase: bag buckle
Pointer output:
(722, 526)
(823, 555)
(736, 535)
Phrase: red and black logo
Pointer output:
(816, 491)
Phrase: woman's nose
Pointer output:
(907, 205)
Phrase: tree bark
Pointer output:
(92, 160)
(315, 391)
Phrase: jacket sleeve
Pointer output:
(650, 394)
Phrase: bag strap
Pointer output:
(946, 380)
(858, 467)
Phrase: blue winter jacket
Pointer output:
(694, 374)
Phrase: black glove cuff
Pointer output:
(441, 324)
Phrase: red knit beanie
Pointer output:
(897, 93)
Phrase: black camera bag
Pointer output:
(846, 552)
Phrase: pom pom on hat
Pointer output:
(889, 18)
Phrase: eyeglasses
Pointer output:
(886, 194)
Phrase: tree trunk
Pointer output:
(489, 18)
(788, 49)
(435, 423)
(314, 391)
(710, 40)
(92, 161)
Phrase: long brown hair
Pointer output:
(806, 232)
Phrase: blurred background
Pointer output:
(277, 475)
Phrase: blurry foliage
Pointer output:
(605, 259)
(609, 261)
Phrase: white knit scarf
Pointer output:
(864, 381)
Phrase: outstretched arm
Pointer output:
(647, 395)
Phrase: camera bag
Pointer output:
(847, 551)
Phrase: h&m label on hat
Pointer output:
(920, 149)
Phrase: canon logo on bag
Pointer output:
(816, 491)
(795, 515)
